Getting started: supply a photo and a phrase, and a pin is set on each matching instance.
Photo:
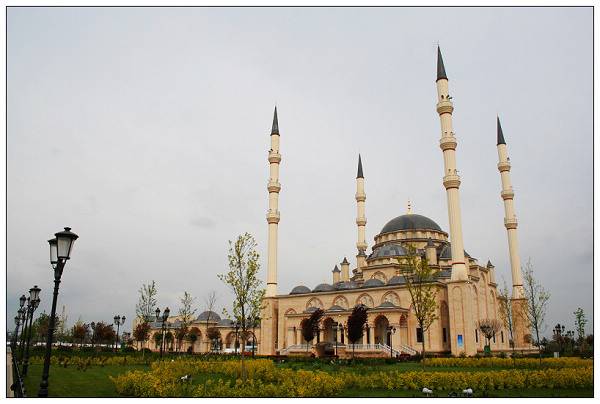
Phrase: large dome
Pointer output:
(410, 221)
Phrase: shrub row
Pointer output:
(522, 363)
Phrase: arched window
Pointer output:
(341, 301)
(365, 299)
(314, 302)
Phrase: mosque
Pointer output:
(466, 291)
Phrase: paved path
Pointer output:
(9, 374)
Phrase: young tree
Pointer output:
(158, 337)
(180, 334)
(169, 340)
(537, 303)
(489, 327)
(105, 333)
(214, 335)
(187, 311)
(192, 337)
(209, 306)
(146, 305)
(243, 281)
(507, 315)
(421, 285)
(80, 331)
(356, 324)
(580, 322)
(141, 333)
(311, 326)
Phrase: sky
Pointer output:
(146, 130)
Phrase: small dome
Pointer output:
(345, 285)
(446, 252)
(397, 280)
(299, 289)
(388, 250)
(311, 309)
(226, 322)
(372, 283)
(410, 222)
(323, 287)
(386, 304)
(209, 315)
(335, 307)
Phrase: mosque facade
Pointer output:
(466, 291)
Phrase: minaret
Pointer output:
(510, 219)
(273, 214)
(361, 220)
(345, 270)
(460, 300)
(451, 178)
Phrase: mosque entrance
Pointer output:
(381, 332)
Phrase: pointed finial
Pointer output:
(441, 71)
(345, 261)
(360, 170)
(489, 264)
(408, 208)
(336, 269)
(499, 130)
(275, 129)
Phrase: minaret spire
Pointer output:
(361, 220)
(273, 213)
(441, 71)
(510, 219)
(275, 128)
(499, 130)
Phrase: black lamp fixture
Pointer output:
(162, 319)
(61, 247)
(34, 301)
(118, 321)
(391, 330)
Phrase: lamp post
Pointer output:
(18, 323)
(162, 319)
(34, 302)
(391, 331)
(558, 331)
(119, 321)
(24, 320)
(60, 252)
(337, 327)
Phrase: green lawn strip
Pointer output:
(71, 382)
(538, 392)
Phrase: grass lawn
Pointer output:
(383, 367)
(494, 393)
(70, 382)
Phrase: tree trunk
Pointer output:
(423, 350)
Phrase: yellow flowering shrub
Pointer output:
(527, 363)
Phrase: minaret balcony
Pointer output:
(507, 194)
(503, 166)
(448, 143)
(361, 221)
(274, 157)
(362, 247)
(274, 186)
(360, 197)
(510, 223)
(273, 216)
(451, 181)
(445, 107)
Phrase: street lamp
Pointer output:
(18, 323)
(60, 251)
(119, 321)
(34, 302)
(24, 319)
(163, 319)
(558, 331)
(391, 330)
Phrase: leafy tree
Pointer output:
(144, 309)
(420, 282)
(507, 315)
(242, 279)
(39, 327)
(158, 337)
(141, 333)
(104, 333)
(180, 334)
(489, 327)
(356, 324)
(537, 304)
(80, 330)
(192, 337)
(169, 339)
(214, 335)
(310, 327)
(580, 322)
(187, 311)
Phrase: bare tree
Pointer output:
(186, 313)
(209, 306)
(420, 282)
(507, 315)
(489, 327)
(144, 309)
(537, 304)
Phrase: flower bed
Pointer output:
(525, 363)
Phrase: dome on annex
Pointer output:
(209, 315)
(299, 289)
(410, 221)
